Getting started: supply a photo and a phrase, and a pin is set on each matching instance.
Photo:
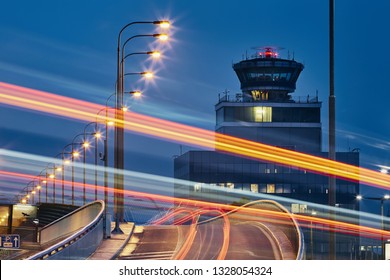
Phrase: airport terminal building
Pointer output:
(266, 112)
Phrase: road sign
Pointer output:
(10, 241)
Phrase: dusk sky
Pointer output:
(69, 48)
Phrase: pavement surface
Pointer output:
(111, 247)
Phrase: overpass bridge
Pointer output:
(259, 230)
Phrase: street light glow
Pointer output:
(76, 154)
(136, 93)
(162, 37)
(98, 135)
(125, 109)
(163, 24)
(147, 75)
(155, 54)
(86, 144)
(359, 197)
(387, 196)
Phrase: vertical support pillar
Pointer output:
(332, 130)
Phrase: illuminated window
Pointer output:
(255, 188)
(198, 187)
(230, 185)
(259, 95)
(262, 114)
(270, 188)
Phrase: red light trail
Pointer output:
(172, 131)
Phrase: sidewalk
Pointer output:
(111, 247)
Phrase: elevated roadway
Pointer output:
(182, 233)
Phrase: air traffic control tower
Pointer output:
(265, 110)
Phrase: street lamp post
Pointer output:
(313, 213)
(85, 145)
(382, 200)
(119, 130)
(74, 154)
(52, 176)
(96, 134)
(43, 181)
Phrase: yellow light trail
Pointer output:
(168, 130)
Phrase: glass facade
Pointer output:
(268, 114)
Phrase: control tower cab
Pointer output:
(267, 77)
(265, 111)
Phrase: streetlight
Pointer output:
(74, 154)
(85, 145)
(52, 176)
(119, 131)
(43, 181)
(96, 134)
(31, 185)
(382, 200)
(313, 213)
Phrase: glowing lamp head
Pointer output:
(359, 197)
(86, 144)
(98, 135)
(110, 123)
(51, 176)
(67, 161)
(24, 201)
(155, 54)
(136, 93)
(386, 196)
(162, 37)
(76, 154)
(147, 75)
(39, 187)
(125, 109)
(58, 169)
(384, 171)
(44, 181)
(164, 24)
(33, 192)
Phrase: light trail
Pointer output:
(150, 183)
(194, 215)
(339, 226)
(168, 130)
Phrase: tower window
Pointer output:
(259, 95)
(262, 114)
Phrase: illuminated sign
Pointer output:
(10, 241)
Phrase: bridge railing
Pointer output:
(85, 227)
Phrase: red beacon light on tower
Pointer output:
(268, 52)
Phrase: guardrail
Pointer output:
(85, 225)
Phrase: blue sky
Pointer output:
(69, 48)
